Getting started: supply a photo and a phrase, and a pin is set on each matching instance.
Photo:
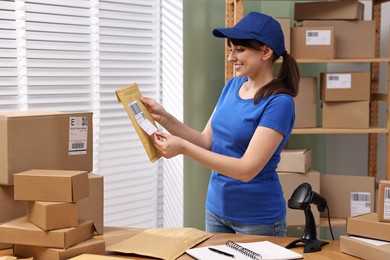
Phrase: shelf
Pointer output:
(367, 60)
(319, 130)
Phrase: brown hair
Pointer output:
(287, 80)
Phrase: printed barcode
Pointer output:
(333, 78)
(84, 121)
(387, 193)
(312, 34)
(135, 108)
(77, 145)
(360, 197)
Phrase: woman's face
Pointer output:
(246, 61)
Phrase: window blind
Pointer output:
(9, 89)
(129, 44)
(172, 80)
(72, 56)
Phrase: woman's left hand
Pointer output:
(168, 145)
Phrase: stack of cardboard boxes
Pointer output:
(52, 229)
(58, 144)
(294, 169)
(346, 195)
(369, 234)
(336, 30)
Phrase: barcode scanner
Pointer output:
(301, 199)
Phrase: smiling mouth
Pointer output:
(237, 66)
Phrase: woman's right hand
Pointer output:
(156, 110)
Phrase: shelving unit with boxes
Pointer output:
(234, 12)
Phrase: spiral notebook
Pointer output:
(263, 250)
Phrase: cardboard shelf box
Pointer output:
(44, 140)
(295, 160)
(306, 103)
(313, 42)
(346, 114)
(333, 10)
(90, 246)
(345, 86)
(349, 37)
(290, 181)
(51, 185)
(285, 23)
(348, 195)
(21, 231)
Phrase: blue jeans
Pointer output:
(216, 224)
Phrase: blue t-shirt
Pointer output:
(259, 201)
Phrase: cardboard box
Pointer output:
(313, 42)
(90, 246)
(306, 103)
(345, 86)
(348, 114)
(52, 215)
(92, 207)
(334, 10)
(364, 248)
(348, 195)
(368, 225)
(295, 160)
(285, 23)
(21, 231)
(51, 185)
(384, 201)
(291, 181)
(47, 140)
(10, 208)
(348, 34)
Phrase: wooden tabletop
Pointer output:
(113, 235)
(329, 252)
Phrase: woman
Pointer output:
(242, 141)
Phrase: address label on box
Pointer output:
(360, 203)
(339, 81)
(318, 37)
(386, 203)
(78, 135)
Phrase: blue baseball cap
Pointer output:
(256, 26)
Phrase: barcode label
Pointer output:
(141, 119)
(78, 135)
(135, 108)
(360, 196)
(78, 145)
(387, 193)
(318, 37)
(312, 34)
(339, 81)
(386, 203)
(360, 203)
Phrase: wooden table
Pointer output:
(328, 252)
(113, 235)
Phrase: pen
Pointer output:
(221, 252)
